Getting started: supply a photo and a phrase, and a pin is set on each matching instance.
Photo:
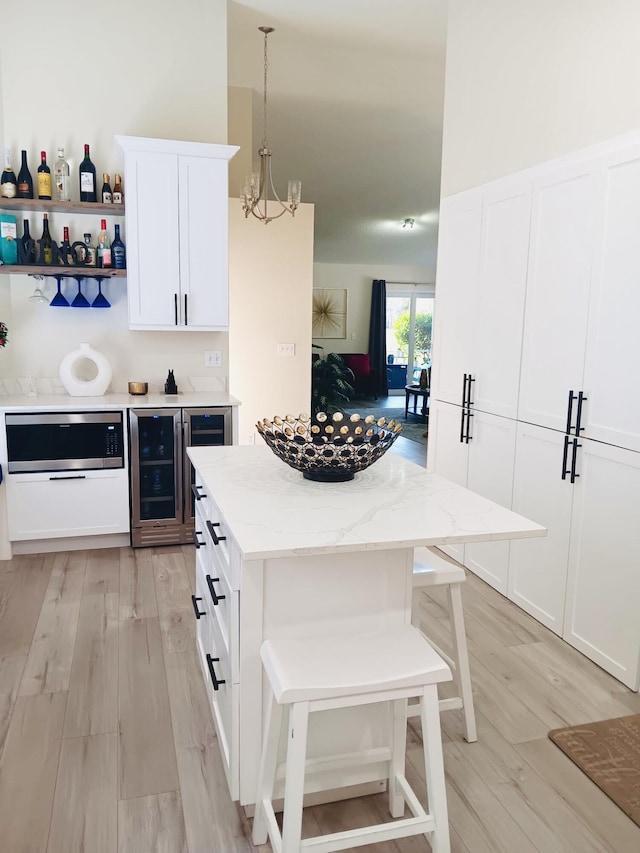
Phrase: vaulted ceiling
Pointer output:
(355, 104)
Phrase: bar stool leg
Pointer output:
(294, 781)
(398, 750)
(434, 769)
(461, 673)
(267, 771)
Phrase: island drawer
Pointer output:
(225, 553)
(223, 604)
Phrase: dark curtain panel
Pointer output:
(377, 333)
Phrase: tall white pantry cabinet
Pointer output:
(535, 398)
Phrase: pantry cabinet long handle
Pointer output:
(565, 454)
(581, 399)
(186, 317)
(574, 457)
(214, 678)
(196, 610)
(210, 526)
(214, 597)
(468, 437)
(464, 391)
(572, 397)
(469, 400)
(175, 309)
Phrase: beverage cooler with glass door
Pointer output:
(162, 500)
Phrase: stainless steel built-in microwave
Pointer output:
(64, 441)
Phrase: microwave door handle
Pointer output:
(70, 477)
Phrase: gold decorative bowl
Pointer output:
(329, 448)
(138, 387)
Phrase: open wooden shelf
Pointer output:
(41, 206)
(67, 272)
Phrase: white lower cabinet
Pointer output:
(602, 609)
(51, 505)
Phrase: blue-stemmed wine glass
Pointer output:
(101, 300)
(59, 300)
(80, 300)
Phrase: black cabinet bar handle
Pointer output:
(196, 541)
(469, 400)
(175, 309)
(581, 399)
(196, 493)
(574, 455)
(468, 437)
(463, 412)
(214, 597)
(565, 454)
(572, 397)
(195, 601)
(216, 539)
(464, 391)
(71, 477)
(216, 681)
(186, 320)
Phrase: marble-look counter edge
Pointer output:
(63, 402)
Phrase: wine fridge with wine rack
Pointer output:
(162, 497)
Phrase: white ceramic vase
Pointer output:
(75, 385)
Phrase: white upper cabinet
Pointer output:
(611, 412)
(457, 294)
(177, 234)
(559, 278)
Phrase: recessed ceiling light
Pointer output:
(408, 223)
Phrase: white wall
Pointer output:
(270, 283)
(357, 279)
(120, 71)
(529, 81)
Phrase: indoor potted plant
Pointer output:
(331, 384)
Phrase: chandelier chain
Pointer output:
(266, 67)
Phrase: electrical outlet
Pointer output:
(251, 438)
(213, 358)
(287, 349)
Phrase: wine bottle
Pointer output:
(104, 246)
(107, 196)
(61, 177)
(118, 195)
(67, 254)
(25, 181)
(8, 181)
(44, 177)
(46, 243)
(118, 251)
(27, 253)
(90, 257)
(87, 173)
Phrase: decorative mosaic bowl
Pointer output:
(329, 448)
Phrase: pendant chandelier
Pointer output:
(258, 192)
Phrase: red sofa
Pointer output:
(367, 381)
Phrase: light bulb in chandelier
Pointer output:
(258, 191)
(408, 223)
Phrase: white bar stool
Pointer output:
(431, 569)
(320, 673)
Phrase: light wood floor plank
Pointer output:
(147, 761)
(609, 824)
(174, 600)
(85, 813)
(190, 710)
(137, 584)
(18, 621)
(28, 771)
(92, 707)
(190, 563)
(103, 571)
(11, 670)
(48, 667)
(212, 821)
(153, 823)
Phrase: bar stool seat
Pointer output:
(321, 673)
(431, 569)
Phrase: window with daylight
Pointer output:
(409, 325)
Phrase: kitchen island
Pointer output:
(281, 556)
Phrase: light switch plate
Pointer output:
(213, 358)
(287, 349)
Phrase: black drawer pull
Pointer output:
(196, 541)
(214, 597)
(195, 601)
(214, 678)
(70, 477)
(196, 493)
(216, 539)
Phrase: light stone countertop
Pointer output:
(272, 511)
(64, 402)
